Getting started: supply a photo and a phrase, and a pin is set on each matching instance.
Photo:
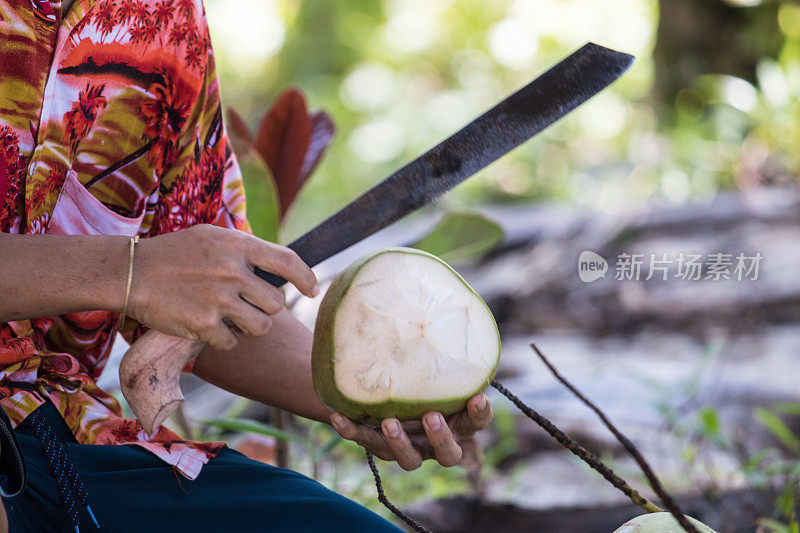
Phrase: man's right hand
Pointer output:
(195, 283)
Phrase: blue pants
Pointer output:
(132, 490)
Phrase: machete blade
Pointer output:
(484, 140)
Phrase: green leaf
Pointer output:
(237, 408)
(461, 235)
(689, 453)
(709, 421)
(778, 428)
(250, 426)
(772, 526)
(779, 468)
(325, 450)
(755, 461)
(787, 408)
(263, 212)
(786, 500)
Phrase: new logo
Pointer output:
(591, 266)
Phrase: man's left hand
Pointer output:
(410, 443)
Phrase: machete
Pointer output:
(150, 369)
(484, 140)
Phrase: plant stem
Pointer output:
(183, 422)
(632, 450)
(584, 454)
(416, 526)
(281, 446)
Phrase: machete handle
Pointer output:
(269, 277)
(149, 376)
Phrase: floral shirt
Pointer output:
(110, 123)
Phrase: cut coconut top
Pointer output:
(410, 328)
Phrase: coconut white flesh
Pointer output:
(409, 328)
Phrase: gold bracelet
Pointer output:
(124, 313)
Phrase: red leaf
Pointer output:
(322, 131)
(238, 126)
(283, 139)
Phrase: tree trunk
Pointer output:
(697, 37)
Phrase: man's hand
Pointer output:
(410, 443)
(200, 282)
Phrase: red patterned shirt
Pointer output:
(110, 124)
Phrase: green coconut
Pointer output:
(399, 334)
(659, 523)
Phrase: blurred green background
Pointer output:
(711, 102)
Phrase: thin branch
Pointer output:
(182, 422)
(632, 450)
(416, 526)
(282, 419)
(584, 454)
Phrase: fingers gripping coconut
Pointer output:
(400, 334)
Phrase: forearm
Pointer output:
(46, 275)
(274, 369)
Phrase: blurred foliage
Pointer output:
(778, 468)
(262, 195)
(279, 159)
(249, 426)
(461, 235)
(317, 451)
(399, 75)
(771, 469)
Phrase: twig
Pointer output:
(585, 455)
(183, 422)
(281, 445)
(632, 450)
(416, 526)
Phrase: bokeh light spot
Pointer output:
(368, 87)
(250, 30)
(513, 43)
(378, 141)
